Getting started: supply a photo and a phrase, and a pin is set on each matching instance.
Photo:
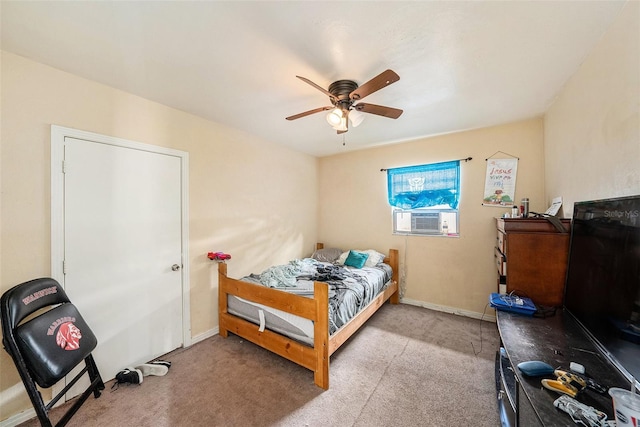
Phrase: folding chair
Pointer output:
(48, 344)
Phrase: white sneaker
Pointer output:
(153, 369)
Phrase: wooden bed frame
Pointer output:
(315, 358)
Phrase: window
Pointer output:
(424, 199)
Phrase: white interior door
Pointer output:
(123, 249)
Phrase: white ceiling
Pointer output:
(462, 65)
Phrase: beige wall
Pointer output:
(253, 199)
(453, 274)
(592, 131)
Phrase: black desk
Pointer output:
(556, 340)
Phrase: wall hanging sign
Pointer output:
(500, 182)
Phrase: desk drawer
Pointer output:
(505, 391)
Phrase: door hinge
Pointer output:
(64, 267)
(64, 166)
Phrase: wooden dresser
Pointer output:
(531, 257)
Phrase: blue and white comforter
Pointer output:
(350, 289)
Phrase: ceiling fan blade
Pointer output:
(308, 113)
(320, 88)
(380, 110)
(382, 80)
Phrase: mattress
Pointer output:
(347, 296)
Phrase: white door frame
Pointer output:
(58, 134)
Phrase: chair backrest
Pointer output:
(29, 297)
(49, 342)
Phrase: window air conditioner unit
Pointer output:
(416, 222)
(425, 222)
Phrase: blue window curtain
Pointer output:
(424, 186)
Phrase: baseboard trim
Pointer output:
(203, 336)
(20, 418)
(451, 310)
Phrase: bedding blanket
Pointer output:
(350, 289)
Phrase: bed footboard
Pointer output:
(314, 358)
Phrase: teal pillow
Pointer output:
(356, 259)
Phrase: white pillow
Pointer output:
(374, 258)
(327, 254)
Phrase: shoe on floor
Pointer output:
(129, 375)
(161, 362)
(153, 369)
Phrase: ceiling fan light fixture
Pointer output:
(356, 117)
(334, 118)
(342, 126)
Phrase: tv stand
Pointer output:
(558, 341)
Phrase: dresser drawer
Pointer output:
(501, 242)
(501, 262)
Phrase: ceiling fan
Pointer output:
(344, 94)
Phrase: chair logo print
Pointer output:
(68, 337)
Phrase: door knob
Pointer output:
(175, 267)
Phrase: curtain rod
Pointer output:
(460, 160)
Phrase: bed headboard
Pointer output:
(391, 258)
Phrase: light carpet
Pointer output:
(408, 366)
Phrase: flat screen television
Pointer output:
(603, 278)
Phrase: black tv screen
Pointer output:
(603, 277)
